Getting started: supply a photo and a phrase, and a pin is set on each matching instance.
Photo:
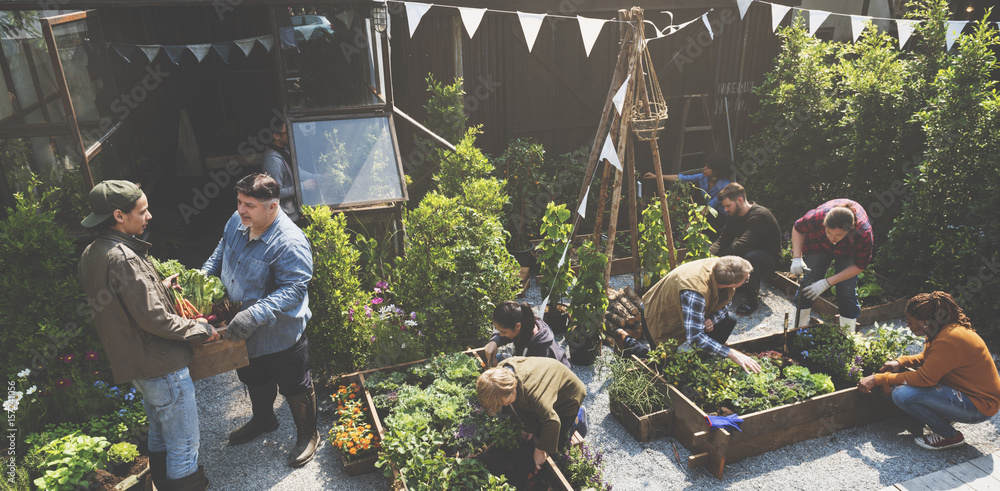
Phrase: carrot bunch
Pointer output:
(184, 307)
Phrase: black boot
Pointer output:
(263, 421)
(194, 481)
(158, 469)
(303, 408)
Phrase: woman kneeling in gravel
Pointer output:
(543, 394)
(956, 380)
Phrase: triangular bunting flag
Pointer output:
(223, 49)
(619, 98)
(530, 24)
(200, 51)
(954, 32)
(150, 51)
(414, 12)
(347, 17)
(246, 45)
(541, 308)
(471, 18)
(778, 13)
(857, 25)
(125, 51)
(562, 259)
(743, 5)
(704, 18)
(609, 152)
(582, 211)
(590, 29)
(816, 18)
(174, 53)
(905, 28)
(266, 41)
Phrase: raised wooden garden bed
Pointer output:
(554, 476)
(646, 427)
(773, 428)
(869, 315)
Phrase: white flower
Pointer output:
(10, 405)
(402, 345)
(410, 323)
(24, 373)
(32, 390)
(17, 396)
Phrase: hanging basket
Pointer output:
(648, 128)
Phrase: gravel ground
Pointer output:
(867, 457)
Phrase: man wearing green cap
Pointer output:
(145, 339)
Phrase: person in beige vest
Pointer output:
(690, 304)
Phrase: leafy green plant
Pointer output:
(122, 453)
(584, 467)
(70, 460)
(333, 290)
(653, 246)
(522, 167)
(850, 357)
(555, 237)
(633, 386)
(695, 240)
(588, 298)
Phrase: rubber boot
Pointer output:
(303, 407)
(194, 481)
(158, 469)
(263, 420)
(851, 324)
(804, 317)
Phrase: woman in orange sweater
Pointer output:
(955, 380)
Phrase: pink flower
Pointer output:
(381, 284)
(377, 300)
(372, 339)
(91, 355)
(64, 383)
(350, 314)
(67, 358)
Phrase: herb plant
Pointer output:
(588, 298)
(633, 386)
(555, 232)
(584, 467)
(70, 460)
(122, 453)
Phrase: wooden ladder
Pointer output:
(679, 154)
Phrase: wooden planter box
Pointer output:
(643, 428)
(551, 468)
(361, 466)
(869, 315)
(217, 357)
(773, 428)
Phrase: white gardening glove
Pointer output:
(813, 291)
(798, 267)
(241, 327)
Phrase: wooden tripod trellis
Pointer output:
(632, 66)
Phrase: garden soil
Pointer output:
(867, 457)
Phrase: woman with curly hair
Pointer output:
(955, 377)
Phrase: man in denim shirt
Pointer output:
(265, 262)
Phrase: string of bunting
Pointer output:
(130, 52)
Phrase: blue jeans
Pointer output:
(847, 290)
(173, 420)
(936, 406)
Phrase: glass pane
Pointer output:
(329, 57)
(84, 65)
(347, 161)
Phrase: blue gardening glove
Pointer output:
(728, 422)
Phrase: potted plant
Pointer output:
(556, 277)
(588, 303)
(638, 400)
(353, 435)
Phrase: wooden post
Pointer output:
(633, 214)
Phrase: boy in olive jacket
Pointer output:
(542, 393)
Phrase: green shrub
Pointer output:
(333, 341)
(522, 167)
(555, 233)
(446, 108)
(588, 298)
(70, 460)
(43, 309)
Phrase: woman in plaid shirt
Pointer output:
(837, 231)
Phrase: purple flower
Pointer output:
(350, 314)
(377, 300)
(368, 311)
(413, 316)
(372, 339)
(381, 284)
(466, 431)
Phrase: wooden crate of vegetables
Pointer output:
(202, 295)
(768, 429)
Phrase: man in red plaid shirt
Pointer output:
(837, 231)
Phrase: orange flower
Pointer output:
(354, 451)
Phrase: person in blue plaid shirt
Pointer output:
(690, 304)
(837, 231)
(265, 261)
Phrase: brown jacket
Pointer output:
(547, 394)
(663, 301)
(142, 334)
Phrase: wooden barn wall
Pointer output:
(555, 93)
